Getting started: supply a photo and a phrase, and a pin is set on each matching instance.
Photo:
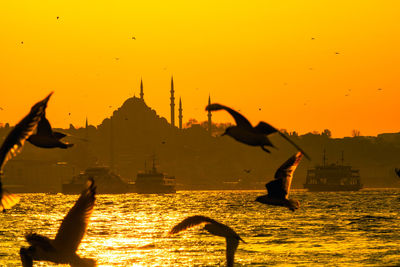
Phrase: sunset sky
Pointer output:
(309, 65)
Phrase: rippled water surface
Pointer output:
(330, 229)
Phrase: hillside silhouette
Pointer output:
(198, 160)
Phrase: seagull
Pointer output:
(62, 249)
(215, 228)
(397, 170)
(244, 132)
(45, 137)
(13, 144)
(278, 189)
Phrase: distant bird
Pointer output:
(244, 132)
(247, 170)
(117, 58)
(13, 144)
(379, 89)
(278, 189)
(22, 42)
(69, 113)
(259, 108)
(45, 137)
(336, 53)
(62, 249)
(163, 142)
(134, 38)
(346, 95)
(58, 17)
(397, 171)
(312, 38)
(215, 228)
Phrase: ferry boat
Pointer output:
(107, 182)
(154, 182)
(333, 177)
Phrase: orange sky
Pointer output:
(247, 55)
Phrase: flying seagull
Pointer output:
(397, 170)
(244, 132)
(13, 144)
(278, 189)
(45, 137)
(215, 228)
(62, 249)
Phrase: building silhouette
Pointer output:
(141, 90)
(180, 116)
(172, 102)
(209, 116)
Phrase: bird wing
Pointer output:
(276, 189)
(39, 241)
(26, 260)
(294, 144)
(59, 135)
(397, 171)
(265, 128)
(190, 222)
(7, 199)
(16, 138)
(220, 229)
(280, 187)
(74, 225)
(44, 127)
(231, 246)
(240, 120)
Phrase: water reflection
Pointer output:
(330, 229)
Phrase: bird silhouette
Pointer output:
(215, 228)
(45, 137)
(244, 132)
(397, 170)
(62, 249)
(278, 189)
(13, 144)
(247, 170)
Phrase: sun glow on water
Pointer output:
(360, 228)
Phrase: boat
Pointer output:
(107, 182)
(154, 182)
(333, 177)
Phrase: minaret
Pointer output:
(180, 113)
(86, 129)
(172, 102)
(209, 115)
(141, 90)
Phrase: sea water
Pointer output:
(330, 228)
